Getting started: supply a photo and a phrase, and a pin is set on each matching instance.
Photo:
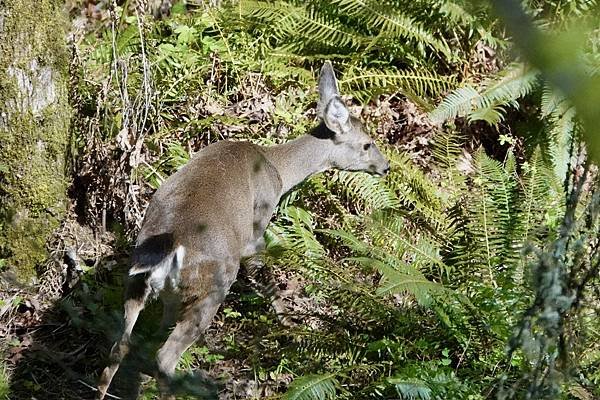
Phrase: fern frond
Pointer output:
(414, 283)
(492, 114)
(415, 191)
(411, 389)
(560, 129)
(447, 148)
(391, 24)
(416, 85)
(418, 249)
(516, 81)
(485, 209)
(457, 103)
(287, 21)
(551, 100)
(456, 13)
(366, 191)
(489, 221)
(561, 136)
(296, 233)
(540, 189)
(325, 346)
(312, 387)
(487, 104)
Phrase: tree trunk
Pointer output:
(34, 130)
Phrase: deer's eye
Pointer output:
(367, 146)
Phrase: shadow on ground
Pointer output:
(61, 352)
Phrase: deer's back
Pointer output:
(215, 203)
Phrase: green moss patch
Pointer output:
(34, 130)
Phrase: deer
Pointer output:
(205, 219)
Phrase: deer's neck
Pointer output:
(302, 157)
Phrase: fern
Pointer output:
(457, 103)
(487, 104)
(412, 282)
(416, 85)
(295, 232)
(447, 149)
(390, 24)
(312, 387)
(398, 258)
(516, 81)
(551, 101)
(456, 13)
(416, 192)
(357, 32)
(489, 212)
(365, 191)
(540, 189)
(560, 129)
(390, 233)
(411, 389)
(287, 20)
(502, 213)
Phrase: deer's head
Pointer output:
(354, 150)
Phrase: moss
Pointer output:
(34, 134)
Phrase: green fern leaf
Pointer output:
(390, 24)
(413, 283)
(312, 387)
(560, 129)
(516, 81)
(411, 389)
(487, 104)
(457, 103)
(416, 85)
(456, 13)
(365, 191)
(493, 114)
(287, 21)
(551, 100)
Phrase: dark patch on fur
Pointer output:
(136, 287)
(323, 132)
(153, 250)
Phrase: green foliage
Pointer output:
(426, 244)
(413, 283)
(359, 32)
(561, 129)
(414, 84)
(489, 103)
(412, 390)
(312, 387)
(4, 383)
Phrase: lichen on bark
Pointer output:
(34, 129)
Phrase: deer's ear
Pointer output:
(336, 116)
(327, 85)
(331, 107)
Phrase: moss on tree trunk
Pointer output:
(34, 136)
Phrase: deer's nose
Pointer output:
(381, 171)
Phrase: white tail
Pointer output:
(213, 212)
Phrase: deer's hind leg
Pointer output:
(135, 299)
(203, 289)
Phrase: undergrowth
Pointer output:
(409, 286)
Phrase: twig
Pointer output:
(112, 396)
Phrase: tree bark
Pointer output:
(34, 130)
